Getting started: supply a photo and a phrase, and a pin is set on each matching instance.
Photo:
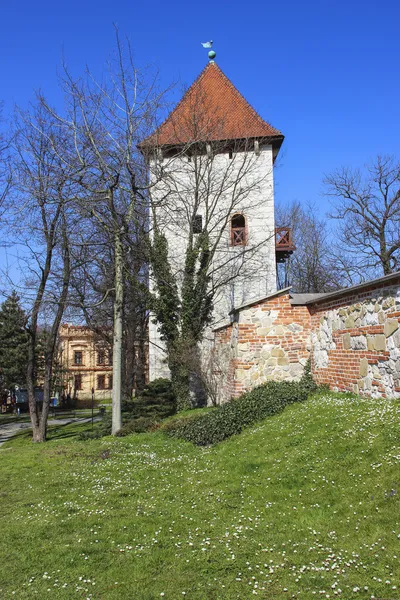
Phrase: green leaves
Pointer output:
(231, 418)
(13, 343)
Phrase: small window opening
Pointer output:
(238, 230)
(78, 357)
(78, 382)
(101, 382)
(110, 382)
(101, 357)
(197, 224)
(230, 154)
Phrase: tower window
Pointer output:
(101, 357)
(197, 224)
(238, 230)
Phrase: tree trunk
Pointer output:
(117, 338)
(181, 385)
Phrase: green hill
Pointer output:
(304, 505)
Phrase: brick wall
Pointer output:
(352, 337)
(268, 340)
(356, 341)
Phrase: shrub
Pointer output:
(101, 429)
(157, 398)
(140, 425)
(86, 403)
(231, 418)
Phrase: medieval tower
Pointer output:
(211, 166)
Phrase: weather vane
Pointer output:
(211, 54)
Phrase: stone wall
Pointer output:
(352, 337)
(268, 340)
(356, 341)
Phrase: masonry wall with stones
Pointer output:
(352, 337)
(268, 340)
(356, 341)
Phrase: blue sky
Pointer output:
(326, 73)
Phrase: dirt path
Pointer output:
(10, 429)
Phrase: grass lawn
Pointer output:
(304, 505)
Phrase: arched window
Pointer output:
(238, 230)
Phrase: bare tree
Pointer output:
(5, 166)
(367, 205)
(314, 266)
(40, 218)
(93, 295)
(105, 121)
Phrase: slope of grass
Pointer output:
(303, 505)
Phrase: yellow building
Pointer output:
(86, 363)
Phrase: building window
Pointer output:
(78, 357)
(101, 357)
(197, 224)
(110, 382)
(101, 382)
(238, 230)
(78, 382)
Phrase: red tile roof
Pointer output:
(212, 110)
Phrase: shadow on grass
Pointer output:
(54, 433)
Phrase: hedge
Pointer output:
(231, 418)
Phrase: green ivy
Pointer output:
(231, 418)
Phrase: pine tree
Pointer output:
(13, 343)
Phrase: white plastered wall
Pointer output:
(243, 184)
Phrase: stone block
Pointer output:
(263, 330)
(266, 322)
(391, 326)
(279, 330)
(346, 341)
(363, 367)
(272, 362)
(283, 361)
(358, 342)
(370, 342)
(240, 374)
(380, 342)
(244, 346)
(277, 352)
(381, 317)
(349, 323)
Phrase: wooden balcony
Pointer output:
(284, 246)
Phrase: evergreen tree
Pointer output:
(13, 343)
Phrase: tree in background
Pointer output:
(367, 206)
(40, 217)
(313, 267)
(93, 295)
(104, 122)
(5, 167)
(13, 343)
